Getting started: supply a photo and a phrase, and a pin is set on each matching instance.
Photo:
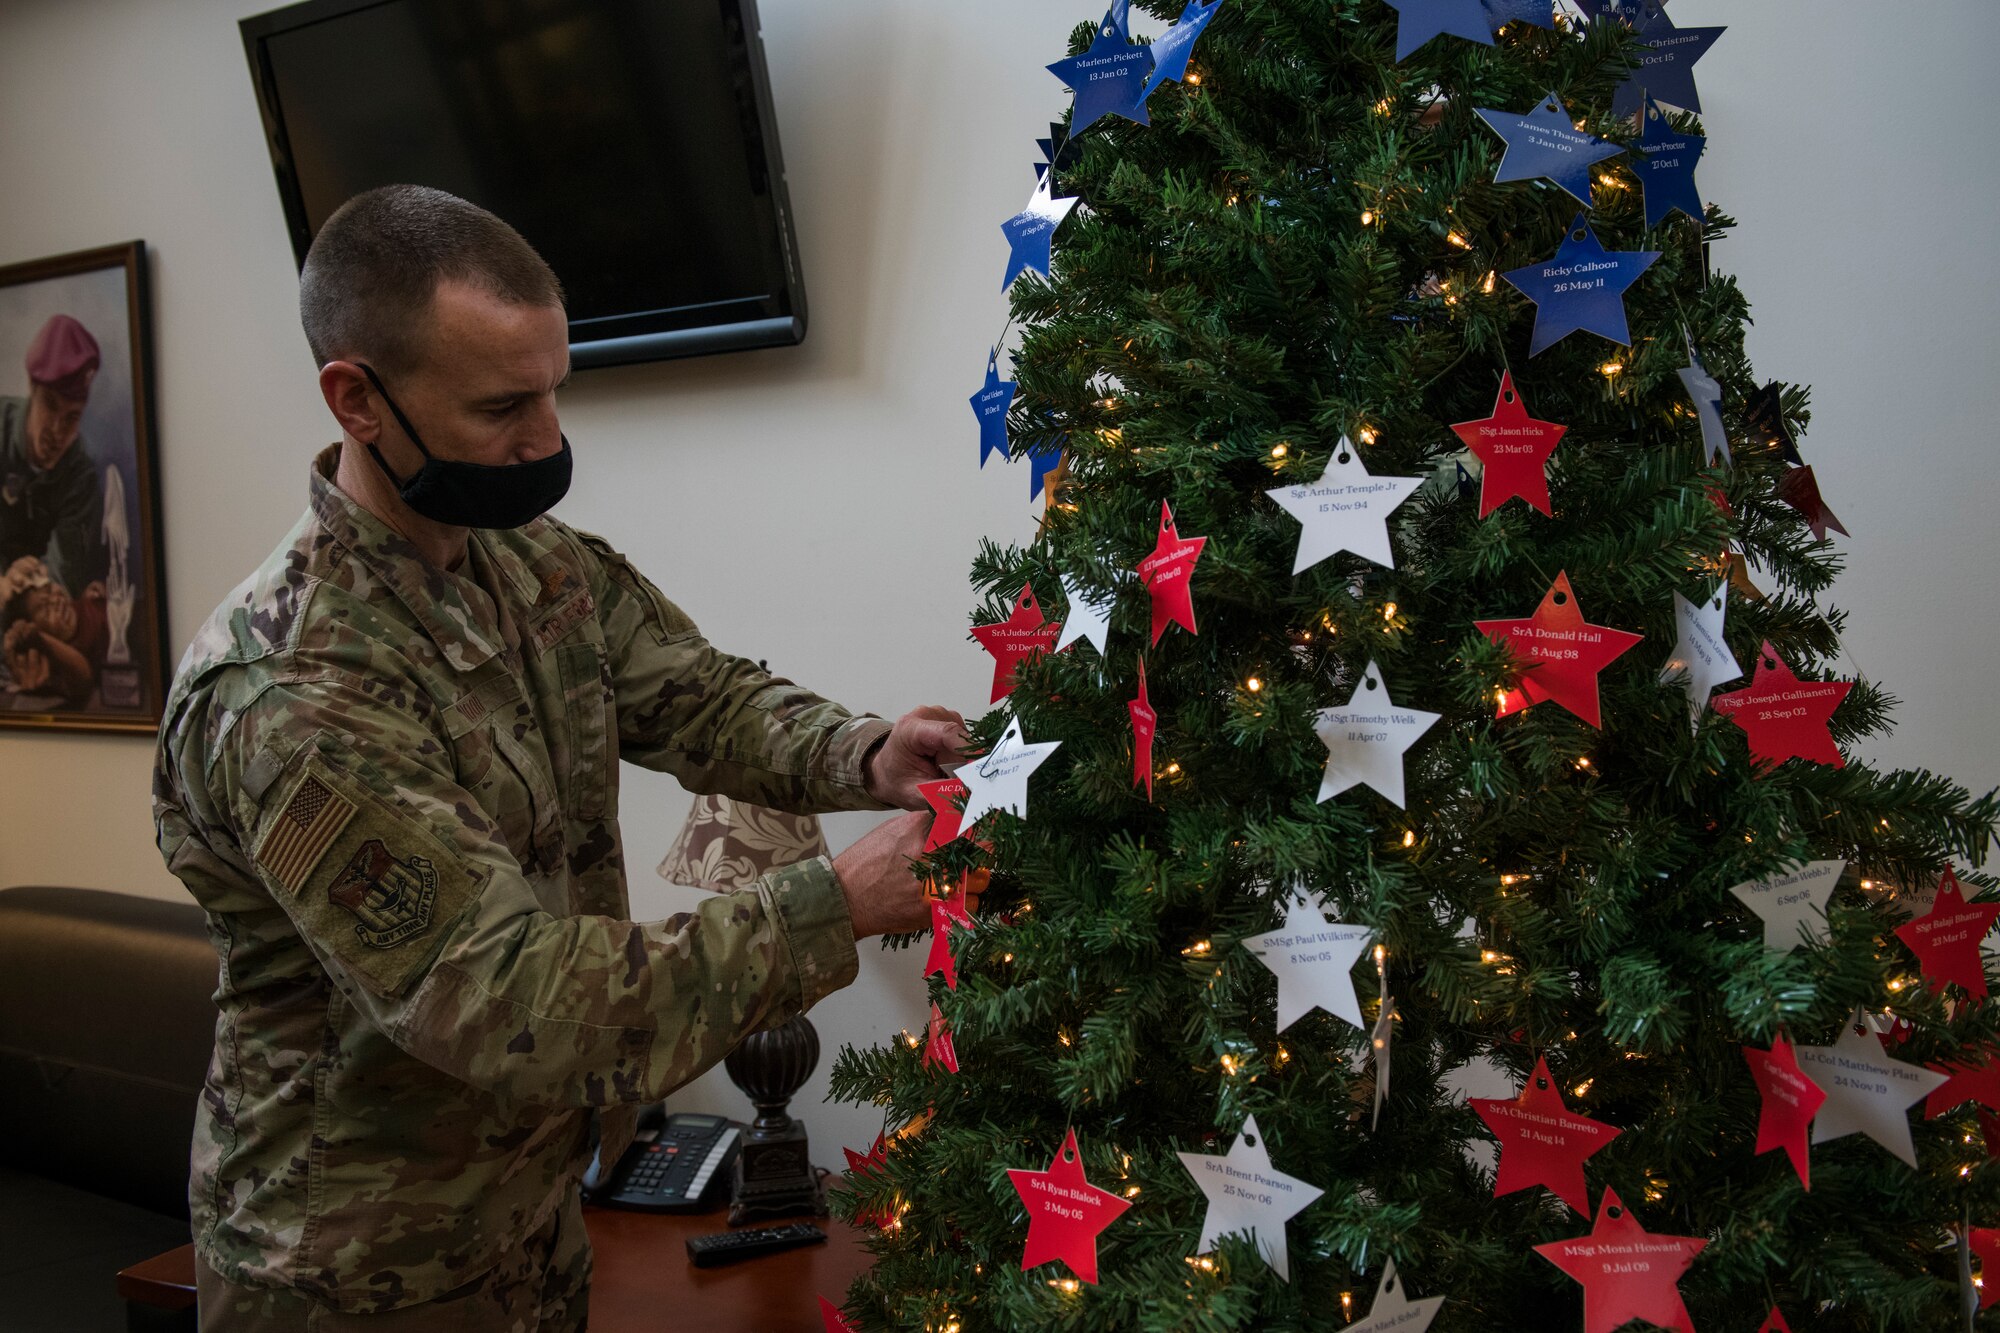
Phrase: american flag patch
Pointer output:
(311, 820)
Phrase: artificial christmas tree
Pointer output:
(1282, 266)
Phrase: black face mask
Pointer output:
(474, 495)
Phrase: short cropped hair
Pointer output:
(365, 290)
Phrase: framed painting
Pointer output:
(82, 590)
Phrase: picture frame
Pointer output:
(82, 576)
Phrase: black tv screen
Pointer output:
(631, 141)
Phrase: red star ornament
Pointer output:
(1627, 1272)
(1785, 717)
(938, 1048)
(1800, 489)
(835, 1321)
(1065, 1213)
(1774, 1322)
(1541, 1142)
(1946, 939)
(1563, 654)
(1985, 1242)
(947, 802)
(1977, 1081)
(940, 959)
(1168, 574)
(867, 1164)
(1791, 1100)
(1514, 450)
(959, 902)
(1021, 635)
(1145, 724)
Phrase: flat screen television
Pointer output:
(631, 141)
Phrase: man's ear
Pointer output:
(345, 389)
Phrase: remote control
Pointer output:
(726, 1247)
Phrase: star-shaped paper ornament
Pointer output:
(1541, 1141)
(1380, 1042)
(943, 796)
(1799, 488)
(874, 1161)
(1168, 574)
(1627, 1272)
(1629, 12)
(1421, 20)
(1764, 417)
(938, 1047)
(1545, 144)
(1581, 288)
(1541, 13)
(1059, 151)
(1366, 737)
(1946, 940)
(1774, 1322)
(1394, 1311)
(1258, 1213)
(1667, 159)
(1089, 613)
(1867, 1092)
(958, 904)
(1065, 1212)
(940, 960)
(1706, 396)
(1701, 659)
(1347, 509)
(1561, 654)
(999, 781)
(1145, 725)
(1020, 636)
(1792, 905)
(990, 406)
(1109, 78)
(1314, 963)
(1513, 449)
(1985, 1244)
(1739, 576)
(1976, 1080)
(1031, 232)
(833, 1319)
(1791, 1100)
(1172, 48)
(1785, 717)
(1047, 466)
(1666, 72)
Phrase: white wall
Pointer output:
(819, 505)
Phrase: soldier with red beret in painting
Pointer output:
(51, 501)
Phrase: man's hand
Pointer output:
(884, 894)
(923, 740)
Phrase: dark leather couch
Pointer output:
(106, 1021)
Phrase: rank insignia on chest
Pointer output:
(390, 898)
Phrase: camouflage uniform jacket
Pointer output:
(394, 789)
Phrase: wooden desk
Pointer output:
(643, 1282)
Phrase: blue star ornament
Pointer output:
(1541, 13)
(1109, 78)
(990, 405)
(1632, 12)
(1666, 167)
(1666, 68)
(1582, 287)
(1031, 231)
(1041, 462)
(1421, 20)
(1173, 47)
(1546, 144)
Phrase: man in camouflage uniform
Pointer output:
(388, 770)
